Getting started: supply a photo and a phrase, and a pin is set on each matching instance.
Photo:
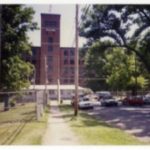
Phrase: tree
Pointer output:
(124, 72)
(95, 61)
(113, 68)
(117, 22)
(15, 71)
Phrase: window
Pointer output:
(50, 24)
(65, 61)
(50, 48)
(65, 81)
(72, 81)
(50, 40)
(71, 52)
(71, 61)
(66, 53)
(34, 51)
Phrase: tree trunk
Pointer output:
(6, 102)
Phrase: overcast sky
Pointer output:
(67, 12)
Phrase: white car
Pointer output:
(85, 102)
(146, 99)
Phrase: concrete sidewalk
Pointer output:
(58, 132)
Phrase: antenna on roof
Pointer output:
(50, 8)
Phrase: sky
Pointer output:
(67, 12)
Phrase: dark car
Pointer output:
(108, 101)
(102, 94)
(133, 100)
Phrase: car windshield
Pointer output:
(84, 100)
(103, 94)
(147, 95)
(107, 97)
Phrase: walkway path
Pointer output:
(58, 132)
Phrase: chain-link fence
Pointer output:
(22, 105)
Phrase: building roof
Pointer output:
(50, 14)
(54, 87)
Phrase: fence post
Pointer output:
(37, 107)
(39, 104)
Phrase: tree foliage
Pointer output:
(113, 68)
(126, 25)
(124, 72)
(95, 61)
(16, 20)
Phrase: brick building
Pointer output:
(52, 61)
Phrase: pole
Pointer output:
(0, 42)
(34, 87)
(76, 65)
(34, 77)
(46, 93)
(58, 90)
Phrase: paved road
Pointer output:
(134, 120)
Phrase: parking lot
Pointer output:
(134, 120)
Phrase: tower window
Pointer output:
(50, 40)
(50, 24)
(50, 48)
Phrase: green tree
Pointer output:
(95, 61)
(124, 72)
(16, 20)
(126, 25)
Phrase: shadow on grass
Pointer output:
(85, 119)
(28, 113)
(9, 140)
(19, 126)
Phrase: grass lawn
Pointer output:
(93, 132)
(18, 126)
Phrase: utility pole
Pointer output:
(58, 90)
(0, 41)
(76, 64)
(46, 93)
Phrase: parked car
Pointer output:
(73, 99)
(102, 94)
(146, 99)
(108, 101)
(84, 102)
(133, 100)
(93, 98)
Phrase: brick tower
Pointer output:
(50, 48)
